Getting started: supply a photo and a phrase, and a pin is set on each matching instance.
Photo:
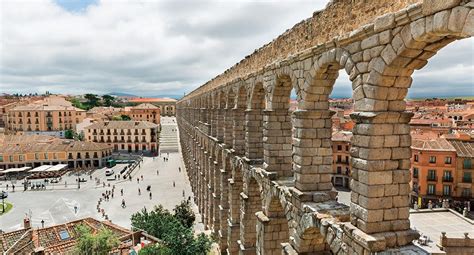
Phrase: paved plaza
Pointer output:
(57, 203)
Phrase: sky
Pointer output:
(167, 48)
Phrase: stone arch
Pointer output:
(239, 118)
(251, 203)
(277, 123)
(228, 116)
(272, 227)
(382, 130)
(308, 238)
(254, 122)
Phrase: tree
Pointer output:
(185, 213)
(125, 117)
(100, 243)
(108, 100)
(92, 100)
(177, 238)
(69, 134)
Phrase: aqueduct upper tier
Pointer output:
(261, 173)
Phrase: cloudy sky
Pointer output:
(166, 48)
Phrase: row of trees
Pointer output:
(175, 230)
(93, 101)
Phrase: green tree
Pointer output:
(177, 239)
(92, 100)
(69, 134)
(125, 117)
(155, 250)
(108, 100)
(184, 213)
(100, 243)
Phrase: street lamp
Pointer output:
(78, 181)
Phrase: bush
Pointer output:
(100, 244)
(175, 231)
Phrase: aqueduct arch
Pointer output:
(231, 131)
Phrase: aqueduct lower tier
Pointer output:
(261, 174)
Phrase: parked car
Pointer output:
(55, 180)
(109, 172)
(3, 194)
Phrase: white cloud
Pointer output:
(140, 47)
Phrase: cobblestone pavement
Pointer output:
(56, 204)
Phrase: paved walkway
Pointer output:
(57, 205)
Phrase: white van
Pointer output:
(109, 172)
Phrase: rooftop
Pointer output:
(130, 124)
(438, 144)
(463, 148)
(145, 106)
(54, 239)
(152, 100)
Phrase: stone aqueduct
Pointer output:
(261, 174)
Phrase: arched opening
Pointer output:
(272, 228)
(239, 119)
(254, 123)
(277, 128)
(229, 118)
(220, 116)
(251, 203)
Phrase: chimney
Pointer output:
(26, 223)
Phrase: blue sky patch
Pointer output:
(75, 5)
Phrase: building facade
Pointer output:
(36, 150)
(341, 166)
(125, 136)
(167, 105)
(433, 170)
(464, 169)
(52, 116)
(145, 112)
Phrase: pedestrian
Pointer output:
(157, 173)
(130, 177)
(75, 209)
(150, 195)
(174, 184)
(121, 192)
(103, 184)
(139, 192)
(7, 184)
(184, 195)
(142, 177)
(123, 203)
(13, 187)
(179, 169)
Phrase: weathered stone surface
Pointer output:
(433, 6)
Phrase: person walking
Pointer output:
(174, 184)
(139, 192)
(75, 209)
(157, 172)
(138, 180)
(121, 192)
(123, 203)
(150, 195)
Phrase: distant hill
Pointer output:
(121, 94)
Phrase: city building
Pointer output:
(62, 238)
(167, 105)
(433, 170)
(341, 166)
(125, 136)
(36, 150)
(464, 169)
(50, 116)
(145, 112)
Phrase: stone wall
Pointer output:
(254, 164)
(458, 246)
(340, 17)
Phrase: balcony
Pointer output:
(448, 179)
(432, 178)
(467, 180)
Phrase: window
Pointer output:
(347, 147)
(339, 147)
(339, 158)
(467, 163)
(45, 155)
(467, 177)
(431, 175)
(1, 158)
(447, 176)
(446, 190)
(431, 189)
(10, 158)
(21, 157)
(416, 158)
(415, 172)
(447, 160)
(432, 159)
(339, 170)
